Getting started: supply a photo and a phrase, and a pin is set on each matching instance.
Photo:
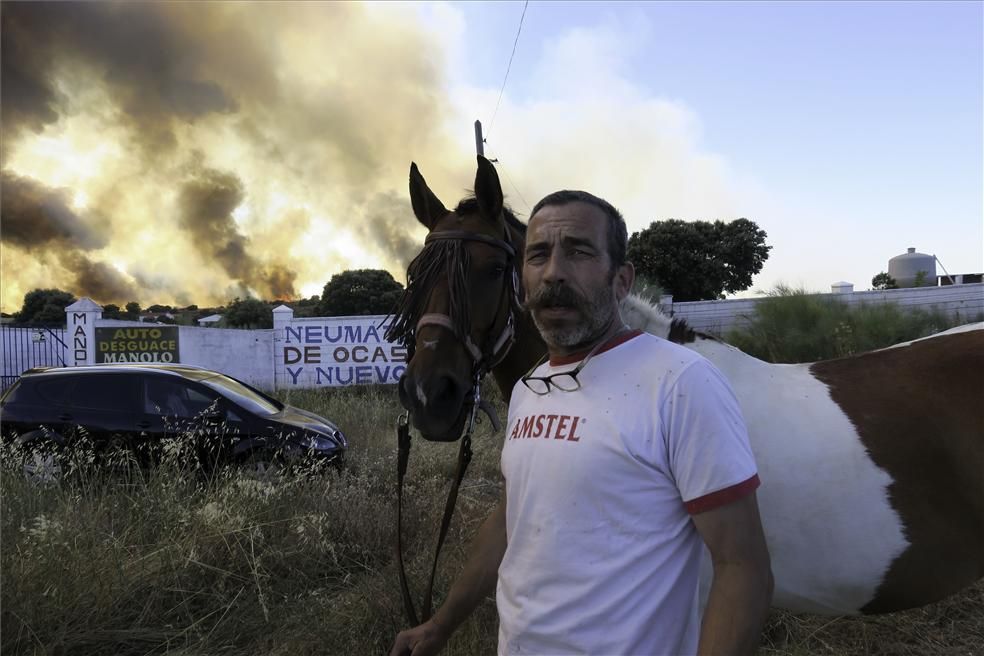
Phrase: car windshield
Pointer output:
(247, 398)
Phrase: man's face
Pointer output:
(572, 289)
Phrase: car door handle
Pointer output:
(143, 424)
(64, 417)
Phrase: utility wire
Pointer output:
(509, 180)
(508, 67)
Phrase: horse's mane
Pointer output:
(640, 313)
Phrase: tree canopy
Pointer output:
(111, 311)
(44, 306)
(699, 260)
(884, 281)
(248, 313)
(359, 292)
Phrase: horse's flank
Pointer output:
(873, 495)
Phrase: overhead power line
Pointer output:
(503, 170)
(508, 68)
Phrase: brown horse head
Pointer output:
(459, 310)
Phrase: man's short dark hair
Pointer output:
(617, 232)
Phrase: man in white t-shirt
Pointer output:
(624, 454)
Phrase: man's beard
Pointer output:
(597, 311)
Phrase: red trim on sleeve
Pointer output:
(722, 497)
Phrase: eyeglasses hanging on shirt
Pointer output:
(565, 381)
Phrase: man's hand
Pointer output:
(422, 640)
(476, 581)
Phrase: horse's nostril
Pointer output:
(446, 391)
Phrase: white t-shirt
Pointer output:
(602, 556)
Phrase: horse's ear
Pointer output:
(488, 191)
(426, 206)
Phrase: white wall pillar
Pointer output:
(81, 319)
(282, 316)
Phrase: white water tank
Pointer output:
(842, 287)
(905, 268)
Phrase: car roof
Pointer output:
(187, 371)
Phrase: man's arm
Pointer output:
(741, 590)
(476, 582)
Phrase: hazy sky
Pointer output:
(190, 152)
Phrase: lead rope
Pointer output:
(464, 457)
(403, 455)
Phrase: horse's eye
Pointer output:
(497, 271)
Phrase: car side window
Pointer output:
(167, 397)
(113, 392)
(55, 391)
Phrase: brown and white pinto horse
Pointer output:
(872, 466)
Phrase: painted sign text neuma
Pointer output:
(340, 351)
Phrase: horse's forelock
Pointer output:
(469, 205)
(440, 259)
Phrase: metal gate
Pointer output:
(26, 347)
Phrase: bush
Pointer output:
(793, 325)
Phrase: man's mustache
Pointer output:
(554, 295)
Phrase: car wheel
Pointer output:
(42, 462)
(120, 457)
(262, 466)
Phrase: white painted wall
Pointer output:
(331, 351)
(965, 302)
(243, 354)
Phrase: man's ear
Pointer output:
(624, 278)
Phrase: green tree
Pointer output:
(112, 311)
(359, 292)
(699, 260)
(884, 281)
(248, 313)
(44, 306)
(133, 310)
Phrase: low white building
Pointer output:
(210, 320)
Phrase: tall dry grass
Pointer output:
(171, 562)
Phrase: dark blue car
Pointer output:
(140, 408)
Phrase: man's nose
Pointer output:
(555, 268)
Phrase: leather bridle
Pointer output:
(483, 361)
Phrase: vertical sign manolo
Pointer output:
(137, 344)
